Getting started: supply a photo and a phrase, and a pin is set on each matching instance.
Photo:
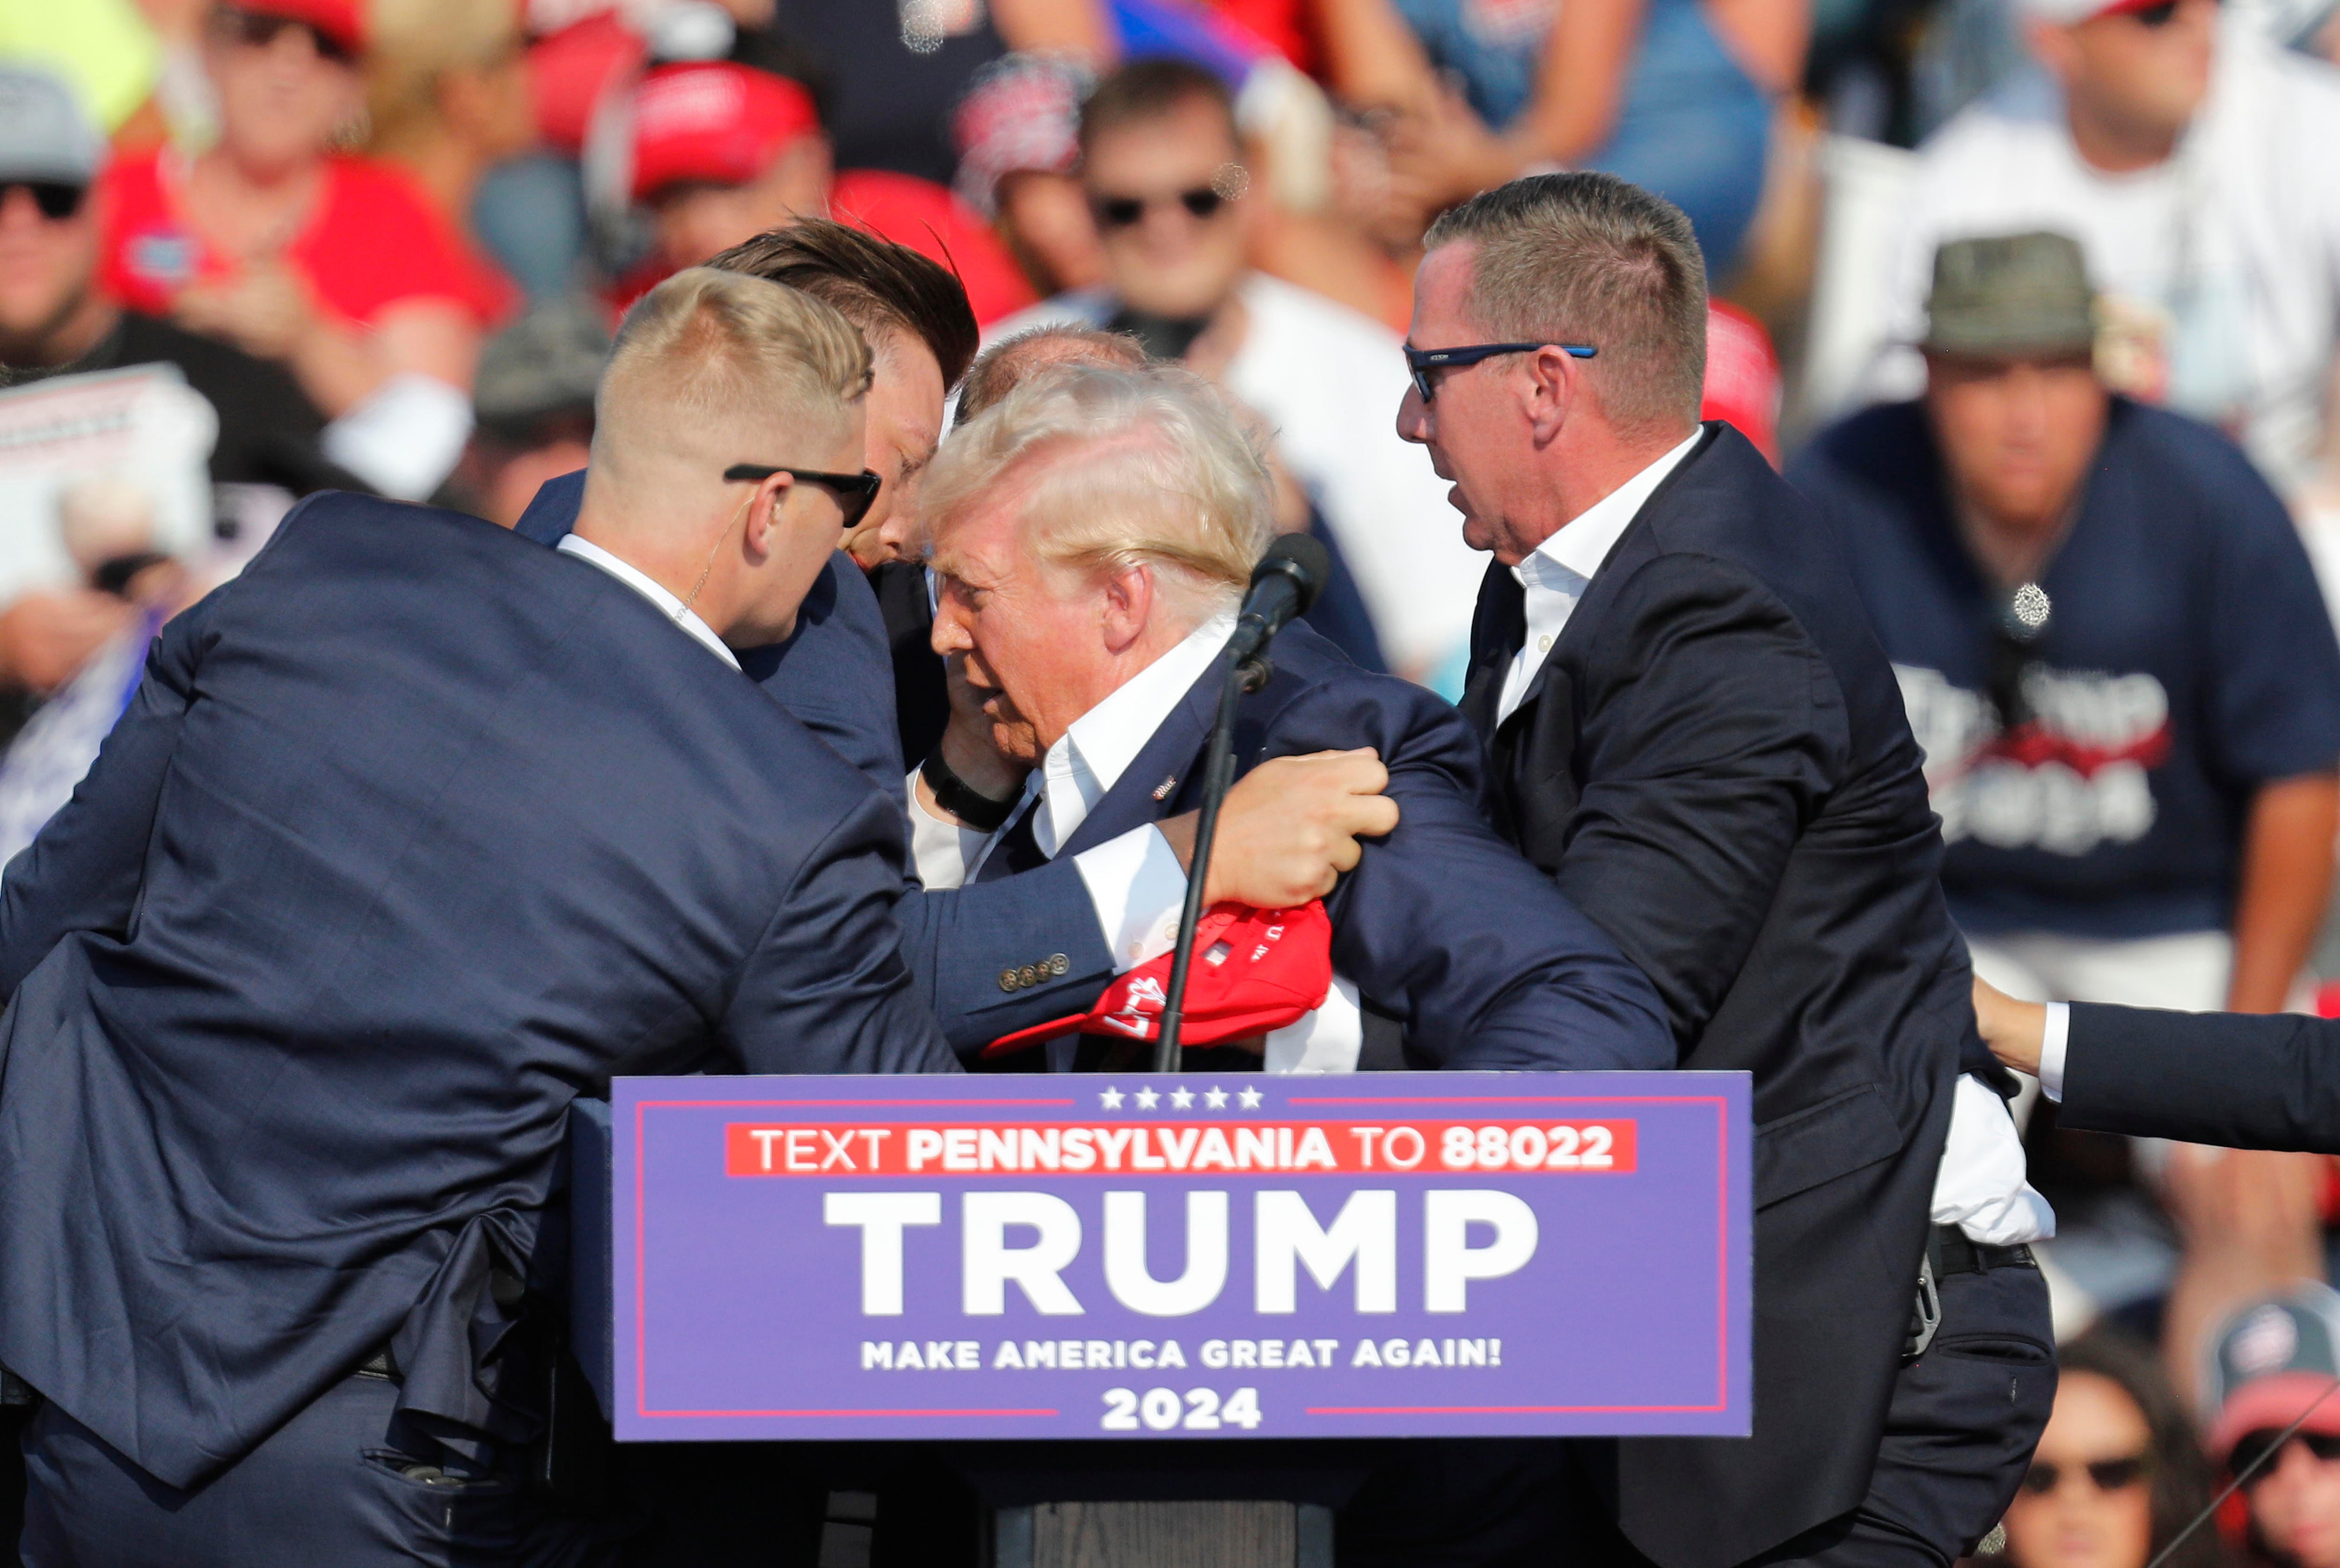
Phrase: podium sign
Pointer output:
(1198, 1257)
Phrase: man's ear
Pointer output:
(2051, 45)
(763, 516)
(1555, 388)
(1128, 605)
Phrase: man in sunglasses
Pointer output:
(2191, 158)
(1164, 168)
(2112, 649)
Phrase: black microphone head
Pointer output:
(1302, 560)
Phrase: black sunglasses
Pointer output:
(1203, 203)
(855, 492)
(258, 29)
(2104, 1474)
(57, 199)
(2257, 1448)
(1421, 361)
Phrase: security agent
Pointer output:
(412, 833)
(1694, 732)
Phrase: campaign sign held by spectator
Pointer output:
(1197, 1256)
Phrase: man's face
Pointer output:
(906, 423)
(284, 90)
(1169, 210)
(2016, 435)
(1031, 633)
(696, 221)
(1476, 427)
(2145, 73)
(45, 267)
(2297, 1507)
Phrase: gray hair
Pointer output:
(1584, 258)
(999, 368)
(1119, 468)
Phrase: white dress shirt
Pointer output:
(1557, 574)
(650, 588)
(1133, 881)
(1981, 1185)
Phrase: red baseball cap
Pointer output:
(1254, 970)
(714, 121)
(341, 21)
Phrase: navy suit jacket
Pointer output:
(2239, 1081)
(412, 833)
(1713, 762)
(835, 674)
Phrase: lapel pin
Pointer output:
(1162, 790)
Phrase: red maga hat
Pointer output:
(714, 121)
(1254, 970)
(341, 21)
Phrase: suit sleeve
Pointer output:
(961, 941)
(2238, 1080)
(837, 674)
(1713, 732)
(84, 870)
(1444, 924)
(826, 989)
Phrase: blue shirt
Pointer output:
(2188, 660)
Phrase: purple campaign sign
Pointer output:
(1199, 1255)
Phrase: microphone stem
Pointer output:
(1218, 776)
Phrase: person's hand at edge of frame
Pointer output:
(2013, 1030)
(1290, 828)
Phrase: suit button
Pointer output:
(1057, 964)
(1027, 975)
(1007, 979)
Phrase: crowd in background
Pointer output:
(384, 242)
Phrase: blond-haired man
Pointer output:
(414, 831)
(1092, 534)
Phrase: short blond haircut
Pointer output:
(1118, 468)
(711, 357)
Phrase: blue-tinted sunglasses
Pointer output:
(1421, 361)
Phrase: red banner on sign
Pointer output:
(1140, 1149)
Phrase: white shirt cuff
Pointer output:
(1138, 886)
(2053, 1039)
(941, 849)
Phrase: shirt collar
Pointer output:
(1089, 758)
(1580, 546)
(650, 588)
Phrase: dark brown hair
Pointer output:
(1149, 90)
(877, 285)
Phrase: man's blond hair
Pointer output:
(1118, 468)
(712, 359)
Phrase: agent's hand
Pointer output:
(2013, 1030)
(1290, 828)
(46, 635)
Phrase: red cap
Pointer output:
(1742, 377)
(930, 220)
(342, 21)
(716, 122)
(1254, 970)
(568, 72)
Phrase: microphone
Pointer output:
(1284, 584)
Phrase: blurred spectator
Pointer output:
(2191, 159)
(2117, 1473)
(1167, 182)
(104, 49)
(2112, 651)
(333, 265)
(1674, 95)
(56, 321)
(533, 408)
(723, 152)
(447, 94)
(1018, 135)
(2274, 1362)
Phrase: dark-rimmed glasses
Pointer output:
(259, 29)
(57, 199)
(2105, 1475)
(1421, 361)
(855, 492)
(2251, 1447)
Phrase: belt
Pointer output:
(1952, 1251)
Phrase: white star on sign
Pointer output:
(1251, 1098)
(1145, 1099)
(1183, 1098)
(1217, 1098)
(1111, 1099)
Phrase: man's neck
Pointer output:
(2111, 147)
(683, 572)
(1582, 480)
(71, 334)
(2011, 551)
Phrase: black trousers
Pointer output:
(1958, 1436)
(345, 1482)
